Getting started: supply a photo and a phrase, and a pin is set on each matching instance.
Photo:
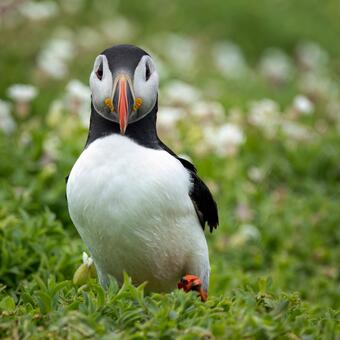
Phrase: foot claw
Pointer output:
(193, 282)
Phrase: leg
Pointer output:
(193, 283)
(198, 278)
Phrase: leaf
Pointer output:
(7, 304)
(100, 295)
(44, 301)
(27, 298)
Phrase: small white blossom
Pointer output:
(7, 123)
(303, 105)
(177, 92)
(51, 147)
(87, 260)
(22, 93)
(276, 66)
(168, 117)
(246, 233)
(78, 99)
(54, 57)
(295, 131)
(265, 115)
(77, 89)
(317, 86)
(311, 56)
(119, 29)
(208, 110)
(55, 112)
(250, 231)
(225, 139)
(39, 10)
(88, 38)
(256, 174)
(229, 59)
(180, 52)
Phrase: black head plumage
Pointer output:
(123, 56)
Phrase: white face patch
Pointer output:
(144, 86)
(101, 85)
(145, 82)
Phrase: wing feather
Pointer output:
(205, 205)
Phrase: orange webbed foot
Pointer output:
(193, 283)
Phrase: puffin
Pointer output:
(139, 207)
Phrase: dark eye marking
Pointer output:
(99, 72)
(147, 71)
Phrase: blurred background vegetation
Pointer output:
(249, 91)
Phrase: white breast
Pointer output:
(131, 206)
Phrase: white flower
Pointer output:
(295, 131)
(246, 233)
(311, 56)
(265, 115)
(88, 38)
(39, 10)
(276, 66)
(87, 260)
(229, 59)
(256, 174)
(77, 89)
(168, 117)
(52, 65)
(55, 113)
(303, 105)
(22, 93)
(208, 110)
(177, 92)
(7, 123)
(317, 86)
(78, 99)
(51, 146)
(54, 57)
(180, 50)
(225, 139)
(119, 29)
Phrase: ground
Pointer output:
(250, 93)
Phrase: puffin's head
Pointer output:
(124, 84)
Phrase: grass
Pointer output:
(275, 271)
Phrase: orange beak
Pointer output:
(123, 101)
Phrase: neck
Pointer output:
(142, 132)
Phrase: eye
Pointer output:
(147, 71)
(99, 72)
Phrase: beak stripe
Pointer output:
(122, 105)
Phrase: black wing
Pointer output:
(200, 195)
